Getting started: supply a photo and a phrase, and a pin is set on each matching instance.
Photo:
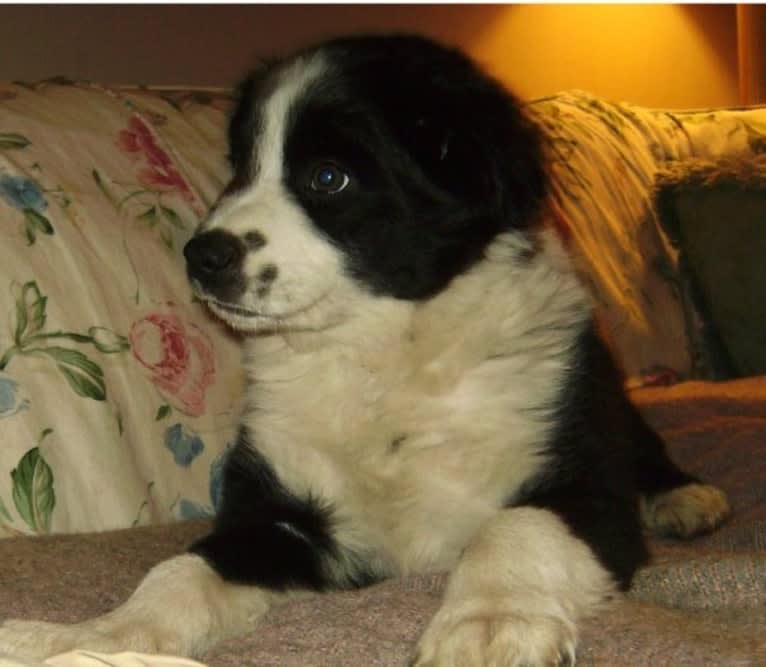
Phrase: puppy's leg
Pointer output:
(684, 511)
(516, 596)
(266, 542)
(182, 607)
(673, 503)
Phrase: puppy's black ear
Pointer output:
(481, 147)
(432, 145)
(513, 147)
(470, 135)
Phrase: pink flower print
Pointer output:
(160, 173)
(179, 358)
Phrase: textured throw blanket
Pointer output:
(700, 603)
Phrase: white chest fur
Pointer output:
(418, 421)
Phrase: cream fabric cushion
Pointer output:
(118, 392)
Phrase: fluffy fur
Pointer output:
(426, 388)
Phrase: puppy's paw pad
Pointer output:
(506, 640)
(685, 511)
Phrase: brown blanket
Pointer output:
(700, 603)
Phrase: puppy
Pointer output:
(426, 389)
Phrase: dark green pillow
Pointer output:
(715, 215)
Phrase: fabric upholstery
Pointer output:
(715, 215)
(117, 391)
(605, 157)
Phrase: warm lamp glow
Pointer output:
(613, 51)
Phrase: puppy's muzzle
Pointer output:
(214, 259)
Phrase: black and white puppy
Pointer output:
(425, 387)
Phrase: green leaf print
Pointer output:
(87, 386)
(36, 222)
(81, 373)
(167, 237)
(163, 412)
(13, 141)
(84, 376)
(149, 217)
(172, 217)
(33, 492)
(107, 341)
(97, 178)
(4, 514)
(30, 311)
(144, 206)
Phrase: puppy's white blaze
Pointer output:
(268, 180)
(293, 82)
(310, 290)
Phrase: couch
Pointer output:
(119, 393)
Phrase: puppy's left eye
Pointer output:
(329, 179)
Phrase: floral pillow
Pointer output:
(118, 392)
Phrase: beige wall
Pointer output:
(659, 55)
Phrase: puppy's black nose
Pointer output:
(212, 253)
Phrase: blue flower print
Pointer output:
(22, 193)
(216, 478)
(185, 445)
(10, 400)
(188, 509)
(26, 196)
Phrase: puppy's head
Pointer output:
(363, 168)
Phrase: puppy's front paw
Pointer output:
(36, 640)
(495, 637)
